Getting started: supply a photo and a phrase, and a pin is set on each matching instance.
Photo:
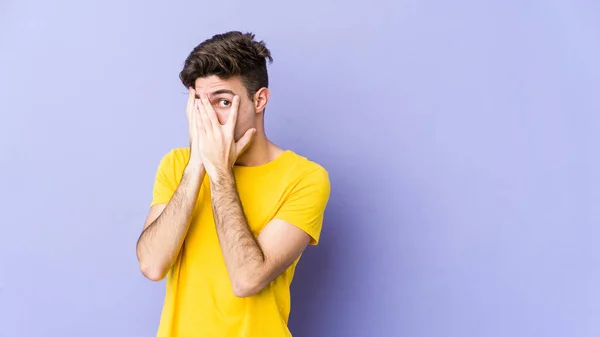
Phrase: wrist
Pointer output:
(220, 175)
(194, 167)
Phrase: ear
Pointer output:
(261, 97)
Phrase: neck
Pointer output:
(260, 151)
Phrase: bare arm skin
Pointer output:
(166, 226)
(252, 263)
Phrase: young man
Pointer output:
(231, 214)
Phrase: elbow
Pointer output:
(152, 271)
(245, 287)
(153, 274)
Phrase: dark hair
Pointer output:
(226, 55)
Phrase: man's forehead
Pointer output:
(214, 83)
(215, 92)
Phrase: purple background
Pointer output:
(461, 139)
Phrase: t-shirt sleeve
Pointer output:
(165, 182)
(305, 205)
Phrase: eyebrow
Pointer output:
(220, 91)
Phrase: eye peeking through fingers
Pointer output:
(224, 103)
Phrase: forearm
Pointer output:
(160, 243)
(242, 254)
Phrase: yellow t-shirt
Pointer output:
(199, 299)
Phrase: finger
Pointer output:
(243, 142)
(204, 120)
(210, 112)
(195, 117)
(235, 105)
(189, 112)
(190, 102)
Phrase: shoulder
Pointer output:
(177, 156)
(307, 195)
(304, 164)
(308, 172)
(173, 163)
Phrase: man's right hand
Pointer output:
(191, 111)
(166, 225)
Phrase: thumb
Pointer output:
(243, 142)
